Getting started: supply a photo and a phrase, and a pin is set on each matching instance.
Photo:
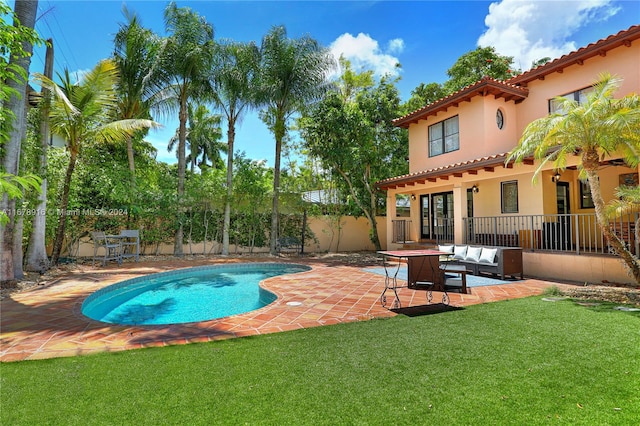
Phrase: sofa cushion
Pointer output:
(460, 252)
(446, 249)
(488, 255)
(473, 254)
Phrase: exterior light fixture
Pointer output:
(413, 197)
(556, 178)
(475, 189)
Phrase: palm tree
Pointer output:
(186, 61)
(136, 56)
(202, 136)
(235, 79)
(80, 112)
(600, 127)
(293, 72)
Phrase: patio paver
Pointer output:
(47, 322)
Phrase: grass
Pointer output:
(523, 361)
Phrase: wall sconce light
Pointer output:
(413, 197)
(475, 189)
(556, 178)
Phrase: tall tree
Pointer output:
(17, 42)
(37, 259)
(354, 139)
(235, 78)
(473, 65)
(423, 95)
(294, 73)
(186, 63)
(595, 129)
(82, 111)
(136, 56)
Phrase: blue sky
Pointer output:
(425, 37)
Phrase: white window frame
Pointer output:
(579, 96)
(437, 134)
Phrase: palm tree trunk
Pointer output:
(37, 260)
(182, 133)
(64, 203)
(279, 134)
(130, 158)
(231, 135)
(590, 161)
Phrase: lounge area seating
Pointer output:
(497, 260)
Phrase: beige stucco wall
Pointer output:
(352, 234)
(591, 269)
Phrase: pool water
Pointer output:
(186, 295)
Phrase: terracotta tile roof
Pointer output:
(486, 86)
(600, 47)
(443, 172)
(515, 87)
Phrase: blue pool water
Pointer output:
(186, 295)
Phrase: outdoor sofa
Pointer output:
(497, 260)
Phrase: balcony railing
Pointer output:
(442, 230)
(575, 233)
(401, 231)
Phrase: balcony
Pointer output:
(569, 233)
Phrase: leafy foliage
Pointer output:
(472, 66)
(350, 132)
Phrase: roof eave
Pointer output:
(482, 88)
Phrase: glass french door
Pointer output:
(437, 216)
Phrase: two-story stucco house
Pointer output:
(461, 190)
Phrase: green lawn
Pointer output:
(518, 362)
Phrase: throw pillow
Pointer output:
(446, 249)
(460, 252)
(473, 254)
(488, 255)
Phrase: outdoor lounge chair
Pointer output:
(112, 249)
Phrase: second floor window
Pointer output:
(444, 137)
(580, 96)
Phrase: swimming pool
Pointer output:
(186, 295)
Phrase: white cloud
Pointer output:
(530, 30)
(364, 53)
(395, 46)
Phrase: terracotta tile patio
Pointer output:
(46, 322)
